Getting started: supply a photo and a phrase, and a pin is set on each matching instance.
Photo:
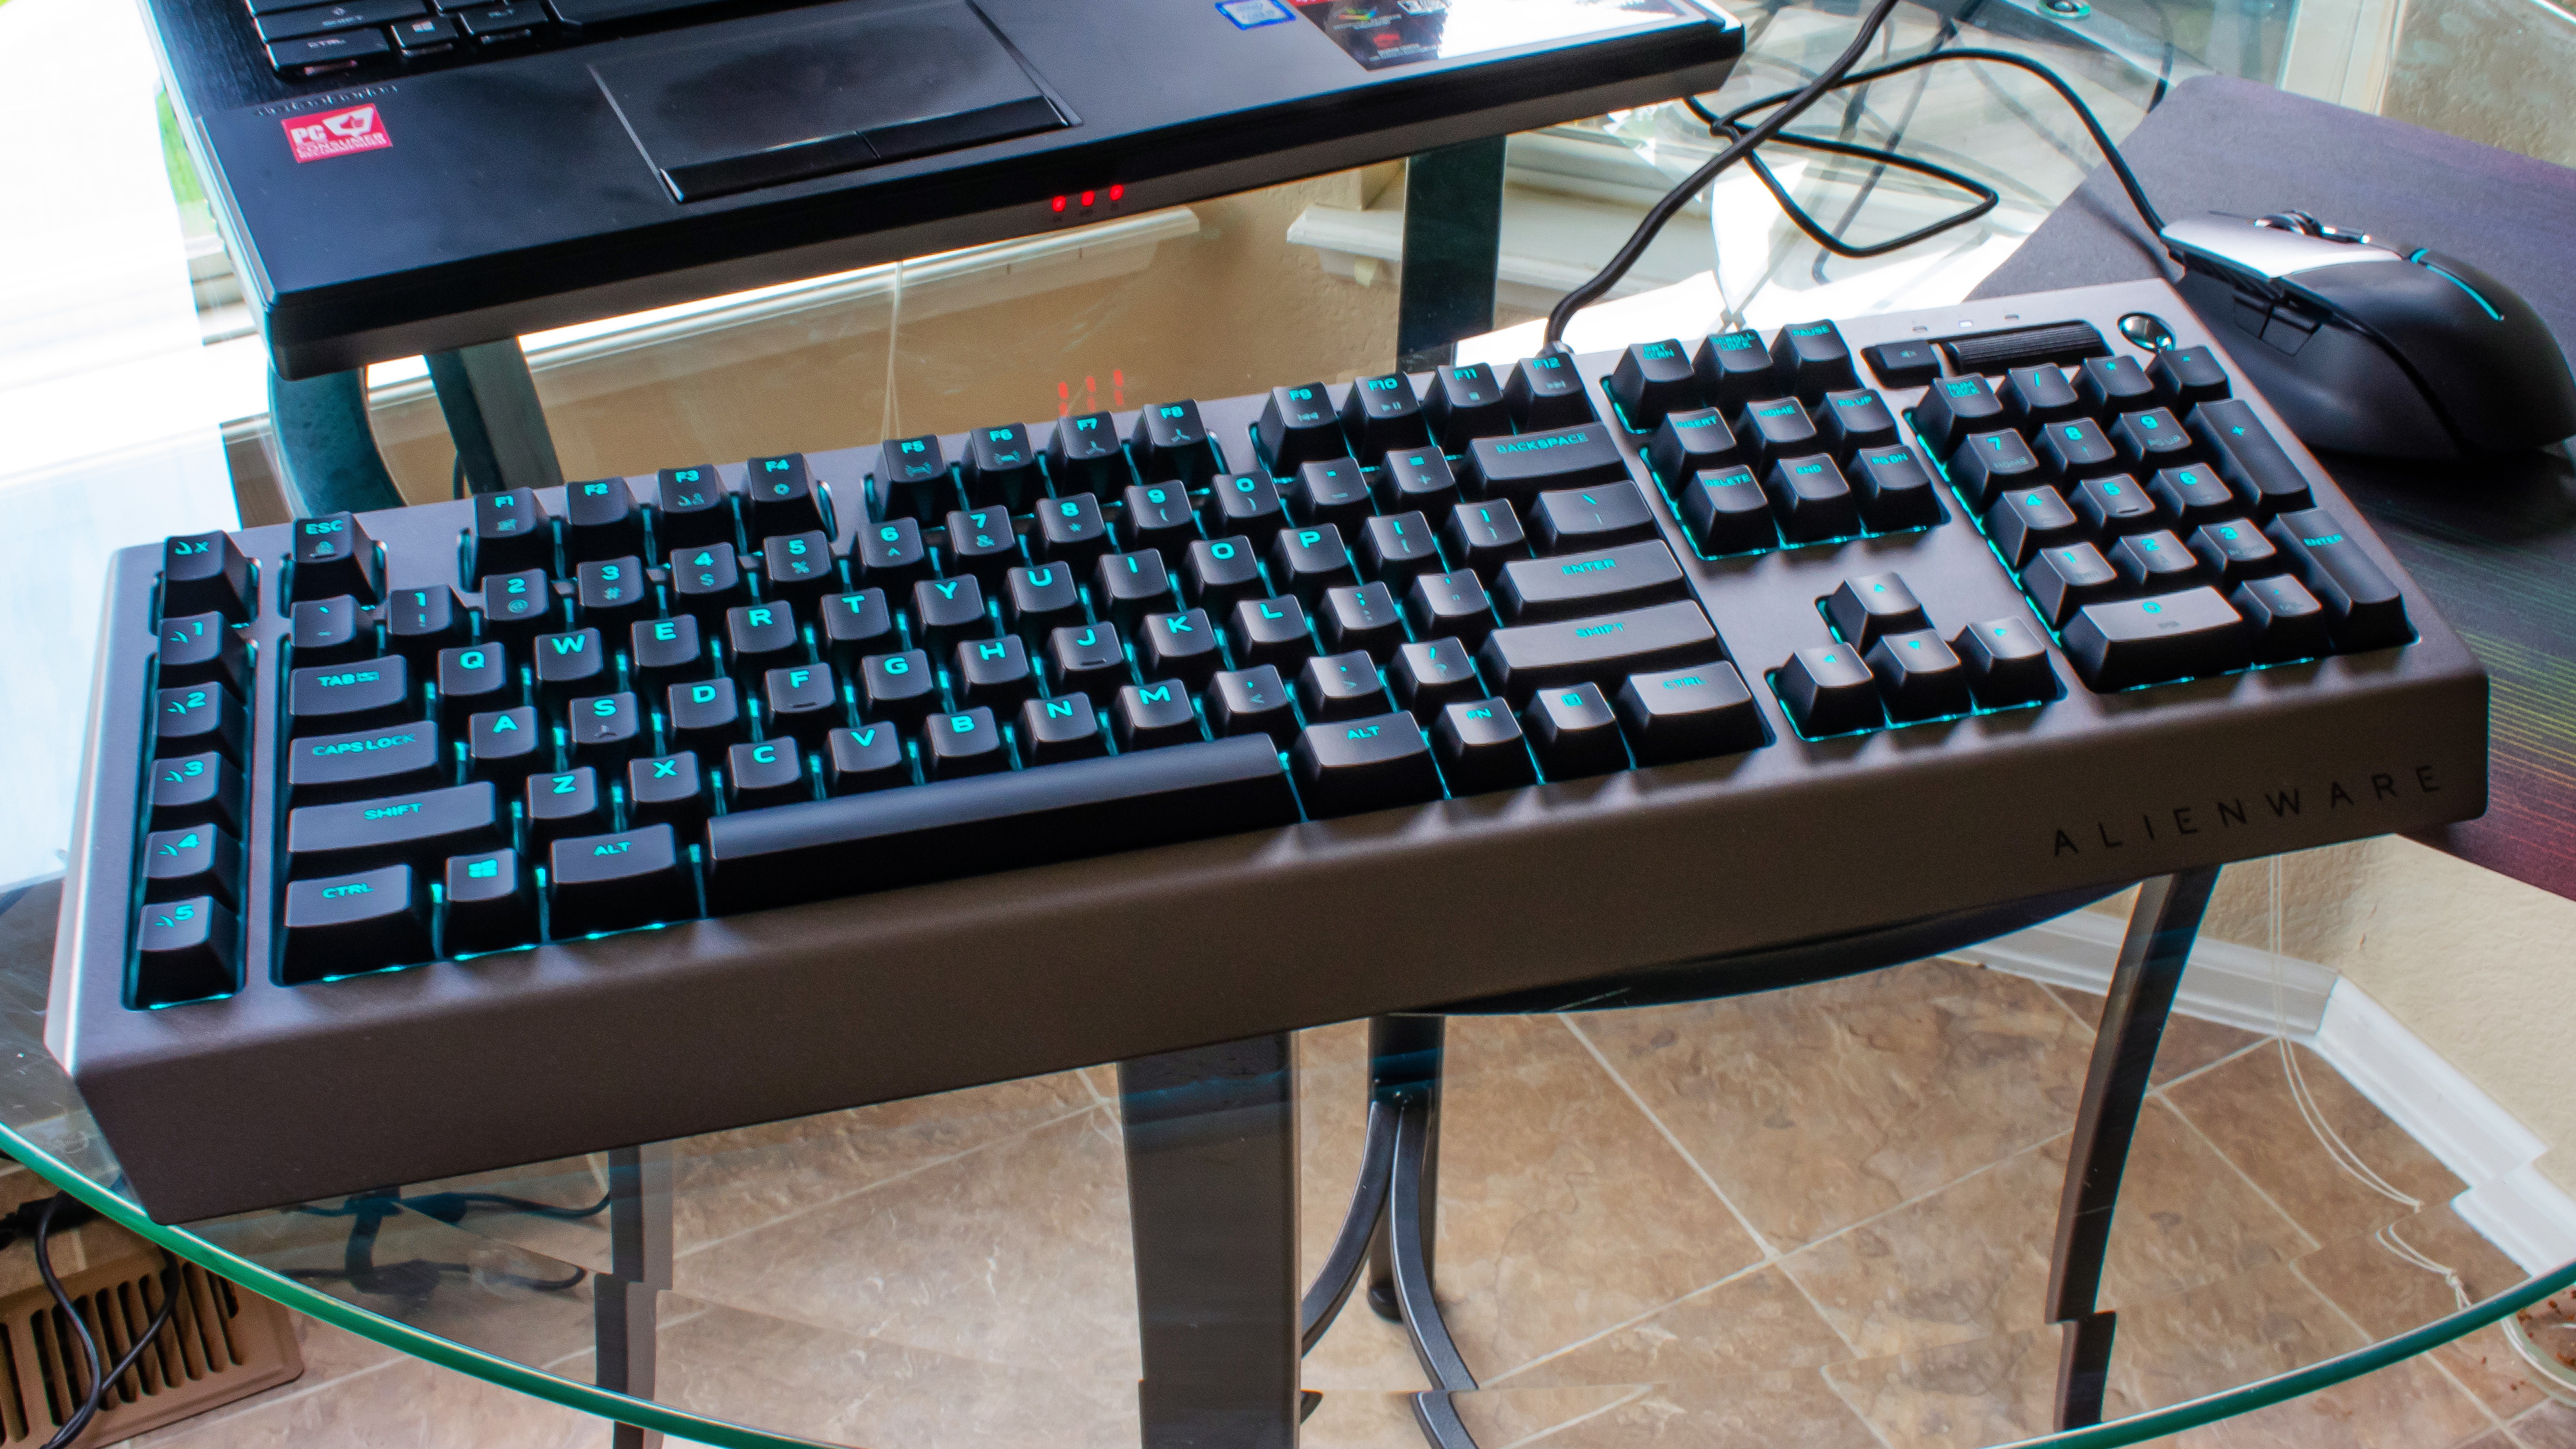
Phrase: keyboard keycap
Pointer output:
(903, 688)
(601, 520)
(1428, 677)
(1828, 691)
(993, 673)
(2250, 459)
(2283, 621)
(2152, 563)
(1903, 364)
(474, 681)
(989, 823)
(1776, 428)
(1651, 380)
(799, 702)
(890, 555)
(1179, 646)
(614, 592)
(204, 649)
(696, 510)
(870, 757)
(1252, 701)
(1728, 512)
(2072, 451)
(1222, 572)
(798, 566)
(333, 554)
(1353, 766)
(1867, 609)
(670, 789)
(1270, 631)
(1574, 733)
(1070, 531)
(2363, 606)
(1298, 426)
(2007, 663)
(2112, 506)
(981, 541)
(495, 23)
(1332, 491)
(1526, 658)
(1919, 677)
(195, 860)
(1340, 686)
(1363, 618)
(705, 716)
(2186, 377)
(1546, 392)
(1171, 444)
(1526, 463)
(971, 743)
(1592, 518)
(946, 611)
(196, 790)
(758, 776)
(2189, 496)
(2024, 521)
(2034, 397)
(1689, 714)
(2063, 580)
(1158, 515)
(186, 951)
(2233, 551)
(911, 480)
(1484, 536)
(1128, 586)
(315, 54)
(1153, 717)
(1083, 455)
(577, 663)
(2126, 643)
(2150, 440)
(331, 631)
(1395, 549)
(418, 826)
(1083, 659)
(1811, 499)
(1953, 410)
(365, 762)
(1453, 604)
(2111, 385)
(1464, 404)
(489, 904)
(1481, 748)
(1381, 414)
(420, 622)
(344, 925)
(1691, 441)
(335, 698)
(1307, 561)
(1605, 581)
(1000, 469)
(1852, 420)
(1418, 480)
(1733, 369)
(570, 803)
(1812, 358)
(664, 651)
(194, 718)
(205, 572)
(512, 531)
(1248, 505)
(1988, 463)
(610, 882)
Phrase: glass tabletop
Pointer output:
(1817, 1215)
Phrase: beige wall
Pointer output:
(2480, 966)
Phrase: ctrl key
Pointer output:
(186, 951)
(342, 925)
(612, 882)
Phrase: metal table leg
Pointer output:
(624, 1308)
(490, 402)
(326, 447)
(2161, 929)
(1453, 237)
(1211, 1142)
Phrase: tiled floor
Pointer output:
(1818, 1217)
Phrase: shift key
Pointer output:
(420, 829)
(1527, 658)
(1534, 590)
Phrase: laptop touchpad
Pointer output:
(778, 98)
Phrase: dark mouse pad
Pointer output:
(781, 97)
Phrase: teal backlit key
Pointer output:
(610, 882)
(349, 924)
(1368, 763)
(334, 698)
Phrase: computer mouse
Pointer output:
(2365, 348)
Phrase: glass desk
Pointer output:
(1820, 1214)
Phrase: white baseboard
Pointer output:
(2527, 1217)
(2225, 982)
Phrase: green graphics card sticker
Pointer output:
(1383, 33)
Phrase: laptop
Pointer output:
(406, 176)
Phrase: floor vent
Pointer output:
(221, 1345)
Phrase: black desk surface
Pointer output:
(2495, 544)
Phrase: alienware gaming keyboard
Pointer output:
(472, 833)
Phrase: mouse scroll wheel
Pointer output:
(2295, 221)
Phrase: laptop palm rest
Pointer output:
(779, 98)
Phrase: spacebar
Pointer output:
(915, 834)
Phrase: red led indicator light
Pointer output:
(1059, 203)
(1086, 198)
(1116, 192)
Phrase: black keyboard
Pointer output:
(304, 39)
(474, 833)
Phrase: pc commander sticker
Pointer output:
(336, 133)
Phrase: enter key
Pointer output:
(1567, 586)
